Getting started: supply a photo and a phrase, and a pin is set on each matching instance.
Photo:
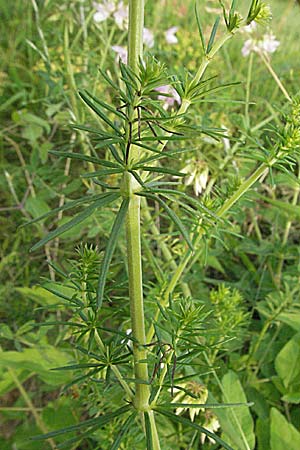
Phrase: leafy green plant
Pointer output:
(155, 360)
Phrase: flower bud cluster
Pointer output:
(291, 132)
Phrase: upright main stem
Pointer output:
(133, 230)
(133, 235)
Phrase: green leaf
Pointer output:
(262, 432)
(102, 173)
(237, 424)
(105, 105)
(69, 205)
(92, 159)
(38, 294)
(291, 319)
(161, 170)
(99, 112)
(110, 247)
(213, 34)
(99, 421)
(287, 362)
(290, 210)
(204, 405)
(109, 81)
(197, 427)
(283, 434)
(36, 207)
(76, 220)
(200, 28)
(189, 198)
(123, 431)
(293, 397)
(179, 225)
(38, 360)
(149, 442)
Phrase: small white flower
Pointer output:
(249, 28)
(103, 10)
(268, 44)
(121, 53)
(225, 139)
(248, 47)
(200, 182)
(148, 37)
(171, 96)
(121, 16)
(170, 35)
(197, 175)
(127, 341)
(200, 393)
(211, 424)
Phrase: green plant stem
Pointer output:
(133, 238)
(248, 85)
(154, 434)
(209, 56)
(133, 235)
(266, 60)
(133, 231)
(135, 33)
(244, 187)
(264, 330)
(164, 248)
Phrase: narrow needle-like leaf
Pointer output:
(123, 431)
(194, 425)
(200, 27)
(76, 220)
(110, 247)
(173, 216)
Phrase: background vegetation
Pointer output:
(247, 274)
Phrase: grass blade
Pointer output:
(76, 220)
(110, 247)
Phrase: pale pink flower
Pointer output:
(248, 47)
(121, 53)
(121, 16)
(103, 10)
(171, 97)
(148, 37)
(170, 35)
(268, 44)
